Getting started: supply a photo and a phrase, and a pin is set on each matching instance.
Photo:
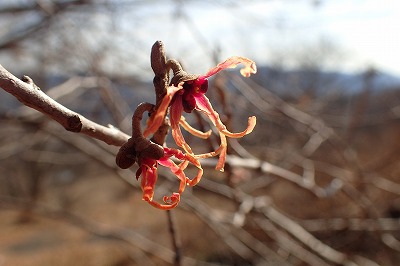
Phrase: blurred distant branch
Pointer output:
(48, 11)
(321, 131)
(290, 233)
(265, 167)
(45, 6)
(30, 95)
(129, 236)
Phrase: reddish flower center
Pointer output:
(190, 90)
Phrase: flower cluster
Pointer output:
(186, 93)
(148, 172)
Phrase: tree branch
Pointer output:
(30, 95)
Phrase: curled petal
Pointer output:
(175, 117)
(157, 118)
(149, 176)
(193, 131)
(179, 139)
(204, 105)
(169, 152)
(176, 170)
(221, 151)
(193, 160)
(251, 123)
(171, 202)
(222, 156)
(248, 69)
(187, 158)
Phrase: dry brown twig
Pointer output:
(32, 96)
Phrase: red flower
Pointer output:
(190, 95)
(148, 173)
(149, 155)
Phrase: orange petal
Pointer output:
(157, 118)
(175, 117)
(222, 156)
(248, 69)
(221, 151)
(192, 182)
(149, 178)
(179, 139)
(171, 202)
(176, 170)
(193, 131)
(188, 157)
(251, 123)
(203, 104)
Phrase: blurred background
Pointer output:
(316, 183)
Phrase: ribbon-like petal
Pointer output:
(157, 118)
(203, 104)
(232, 62)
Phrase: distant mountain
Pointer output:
(296, 81)
(283, 82)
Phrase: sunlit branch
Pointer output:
(32, 96)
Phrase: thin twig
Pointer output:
(32, 96)
(176, 243)
(103, 230)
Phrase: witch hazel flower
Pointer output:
(149, 155)
(148, 173)
(187, 93)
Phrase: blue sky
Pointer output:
(365, 33)
(362, 33)
(368, 30)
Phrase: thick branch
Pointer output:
(30, 95)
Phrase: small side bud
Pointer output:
(126, 156)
